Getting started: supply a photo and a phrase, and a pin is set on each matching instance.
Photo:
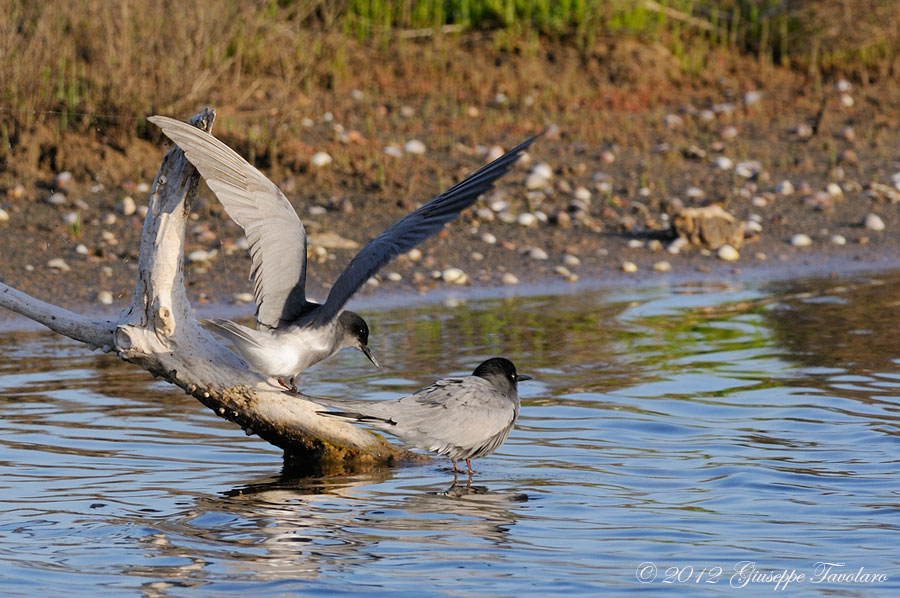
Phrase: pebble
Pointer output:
(752, 97)
(728, 133)
(373, 282)
(415, 147)
(142, 211)
(785, 187)
(635, 243)
(534, 181)
(526, 219)
(629, 267)
(320, 159)
(394, 276)
(654, 245)
(393, 150)
(834, 190)
(847, 100)
(488, 238)
(728, 253)
(498, 205)
(105, 297)
(56, 199)
(753, 226)
(662, 266)
(143, 188)
(454, 276)
(244, 297)
(838, 240)
(81, 249)
(803, 131)
(200, 255)
(748, 168)
(723, 108)
(407, 111)
(706, 115)
(414, 254)
(695, 193)
(493, 153)
(675, 246)
(485, 214)
(4, 215)
(801, 240)
(58, 264)
(724, 163)
(582, 194)
(127, 206)
(316, 210)
(843, 85)
(543, 170)
(63, 180)
(672, 121)
(109, 219)
(873, 222)
(476, 256)
(607, 157)
(848, 133)
(536, 253)
(507, 217)
(509, 278)
(571, 260)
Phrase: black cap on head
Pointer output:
(499, 366)
(357, 329)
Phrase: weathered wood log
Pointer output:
(159, 332)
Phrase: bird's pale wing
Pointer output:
(463, 412)
(274, 232)
(411, 230)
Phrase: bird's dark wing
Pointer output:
(411, 230)
(275, 234)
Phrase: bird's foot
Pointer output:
(290, 386)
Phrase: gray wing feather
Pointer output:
(274, 232)
(411, 230)
(453, 415)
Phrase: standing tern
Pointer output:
(460, 418)
(292, 332)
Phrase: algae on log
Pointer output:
(159, 333)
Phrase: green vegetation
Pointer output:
(97, 64)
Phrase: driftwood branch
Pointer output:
(159, 332)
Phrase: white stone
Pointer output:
(536, 253)
(535, 181)
(803, 130)
(695, 193)
(847, 100)
(320, 159)
(81, 249)
(582, 194)
(629, 267)
(488, 238)
(454, 276)
(729, 132)
(373, 282)
(838, 240)
(509, 279)
(198, 256)
(4, 215)
(635, 243)
(493, 153)
(127, 206)
(677, 245)
(143, 188)
(244, 297)
(394, 276)
(662, 266)
(748, 168)
(728, 253)
(724, 163)
(672, 121)
(415, 147)
(571, 260)
(834, 190)
(393, 150)
(105, 297)
(526, 219)
(753, 226)
(507, 217)
(543, 170)
(801, 240)
(56, 199)
(414, 254)
(785, 187)
(843, 85)
(58, 264)
(752, 97)
(873, 222)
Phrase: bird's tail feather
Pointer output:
(230, 330)
(359, 417)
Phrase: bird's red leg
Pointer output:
(469, 465)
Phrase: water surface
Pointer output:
(673, 434)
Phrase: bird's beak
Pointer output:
(368, 353)
(520, 377)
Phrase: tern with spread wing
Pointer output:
(292, 332)
(460, 418)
